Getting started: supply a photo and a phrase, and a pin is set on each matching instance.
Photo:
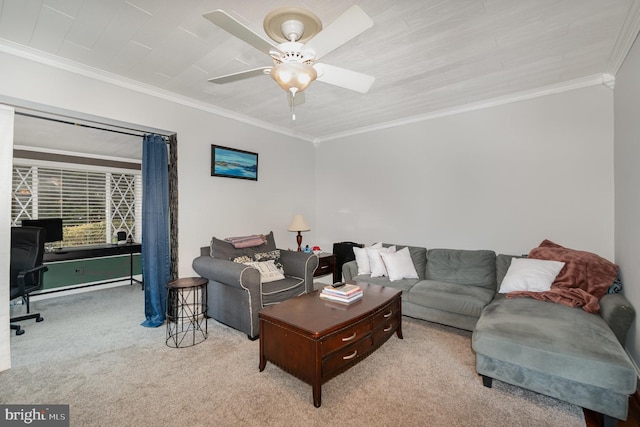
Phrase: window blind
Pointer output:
(93, 205)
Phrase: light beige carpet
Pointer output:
(91, 353)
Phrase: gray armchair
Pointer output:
(235, 291)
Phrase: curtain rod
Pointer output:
(88, 126)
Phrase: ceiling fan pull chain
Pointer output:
(292, 103)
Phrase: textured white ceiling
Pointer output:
(426, 55)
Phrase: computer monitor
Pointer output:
(52, 225)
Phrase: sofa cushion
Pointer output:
(451, 297)
(555, 339)
(466, 267)
(281, 290)
(403, 284)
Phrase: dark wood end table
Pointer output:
(316, 340)
(327, 264)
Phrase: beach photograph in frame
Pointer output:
(233, 163)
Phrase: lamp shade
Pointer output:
(298, 223)
(293, 77)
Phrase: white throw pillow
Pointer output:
(362, 259)
(268, 270)
(399, 265)
(375, 260)
(527, 274)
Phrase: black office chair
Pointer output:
(27, 250)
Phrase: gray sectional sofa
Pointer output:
(549, 348)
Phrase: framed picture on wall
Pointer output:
(233, 163)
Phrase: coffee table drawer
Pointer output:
(382, 333)
(345, 336)
(346, 356)
(386, 313)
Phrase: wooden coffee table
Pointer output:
(315, 340)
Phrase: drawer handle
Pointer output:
(388, 328)
(388, 314)
(349, 338)
(351, 356)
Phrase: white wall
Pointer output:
(627, 182)
(207, 205)
(502, 178)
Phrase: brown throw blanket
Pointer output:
(583, 280)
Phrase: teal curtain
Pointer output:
(155, 228)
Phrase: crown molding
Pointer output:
(626, 37)
(24, 52)
(622, 46)
(593, 80)
(608, 80)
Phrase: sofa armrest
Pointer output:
(618, 312)
(299, 264)
(349, 270)
(227, 272)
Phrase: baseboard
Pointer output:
(70, 290)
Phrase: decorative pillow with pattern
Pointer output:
(270, 256)
(242, 259)
(268, 271)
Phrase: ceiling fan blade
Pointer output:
(347, 26)
(344, 78)
(234, 27)
(228, 78)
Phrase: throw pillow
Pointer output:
(362, 259)
(616, 286)
(375, 260)
(268, 271)
(273, 255)
(242, 259)
(399, 265)
(534, 275)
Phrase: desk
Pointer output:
(94, 251)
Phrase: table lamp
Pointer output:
(299, 224)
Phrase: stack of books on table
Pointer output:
(344, 293)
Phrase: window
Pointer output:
(93, 204)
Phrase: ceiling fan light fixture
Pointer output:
(293, 77)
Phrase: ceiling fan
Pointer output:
(299, 42)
